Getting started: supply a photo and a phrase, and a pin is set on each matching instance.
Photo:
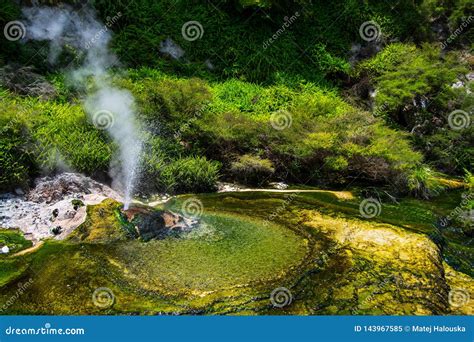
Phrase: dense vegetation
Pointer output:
(270, 91)
(348, 112)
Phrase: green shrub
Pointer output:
(406, 77)
(14, 239)
(252, 170)
(42, 137)
(183, 175)
(414, 90)
(194, 174)
(16, 157)
(167, 105)
(469, 179)
(425, 183)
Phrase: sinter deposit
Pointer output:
(54, 207)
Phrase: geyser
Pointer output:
(108, 106)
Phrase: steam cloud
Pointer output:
(90, 38)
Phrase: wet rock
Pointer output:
(152, 224)
(278, 185)
(360, 52)
(24, 81)
(56, 230)
(228, 187)
(53, 189)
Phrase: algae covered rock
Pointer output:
(250, 253)
(389, 270)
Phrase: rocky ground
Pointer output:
(345, 264)
(54, 207)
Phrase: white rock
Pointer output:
(5, 250)
(32, 214)
(279, 185)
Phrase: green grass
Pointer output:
(14, 239)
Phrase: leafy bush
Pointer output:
(183, 175)
(16, 158)
(423, 182)
(42, 137)
(194, 174)
(407, 79)
(325, 138)
(167, 103)
(252, 170)
(234, 35)
(469, 179)
(414, 90)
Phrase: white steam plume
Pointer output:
(90, 38)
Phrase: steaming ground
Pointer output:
(109, 107)
(50, 204)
